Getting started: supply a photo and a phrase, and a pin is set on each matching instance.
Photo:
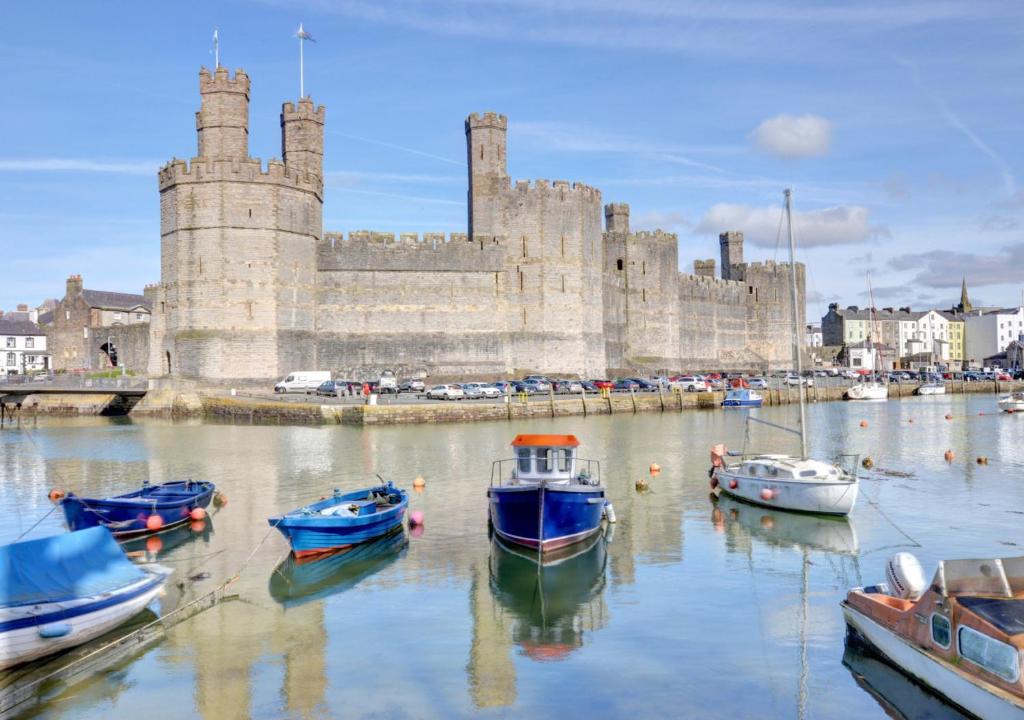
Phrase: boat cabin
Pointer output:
(971, 617)
(545, 458)
(782, 468)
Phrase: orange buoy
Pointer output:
(948, 416)
(949, 456)
(154, 544)
(767, 494)
(56, 494)
(154, 522)
(220, 499)
(419, 483)
(197, 514)
(863, 423)
(197, 526)
(733, 484)
(654, 469)
(867, 463)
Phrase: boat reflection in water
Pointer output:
(804, 531)
(550, 604)
(296, 581)
(896, 694)
(161, 544)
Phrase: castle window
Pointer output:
(250, 212)
(521, 282)
(249, 308)
(563, 283)
(643, 295)
(618, 263)
(643, 268)
(563, 246)
(524, 246)
(481, 152)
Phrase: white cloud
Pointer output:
(794, 136)
(78, 165)
(842, 225)
(661, 220)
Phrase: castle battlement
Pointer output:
(561, 186)
(306, 110)
(654, 236)
(369, 250)
(221, 81)
(492, 120)
(200, 169)
(769, 266)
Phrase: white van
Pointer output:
(305, 382)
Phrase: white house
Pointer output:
(927, 333)
(22, 347)
(813, 336)
(989, 332)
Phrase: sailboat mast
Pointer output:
(797, 359)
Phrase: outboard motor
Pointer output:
(905, 576)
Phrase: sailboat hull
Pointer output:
(868, 391)
(826, 498)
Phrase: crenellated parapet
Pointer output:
(557, 189)
(366, 250)
(250, 170)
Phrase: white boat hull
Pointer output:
(24, 644)
(1008, 404)
(827, 498)
(953, 685)
(868, 391)
(935, 389)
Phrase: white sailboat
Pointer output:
(781, 481)
(874, 388)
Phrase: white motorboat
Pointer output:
(962, 635)
(1014, 402)
(932, 388)
(870, 390)
(59, 592)
(786, 482)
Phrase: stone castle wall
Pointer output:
(252, 288)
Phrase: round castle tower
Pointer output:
(238, 244)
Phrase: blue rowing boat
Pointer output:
(742, 398)
(550, 498)
(136, 513)
(343, 520)
(61, 591)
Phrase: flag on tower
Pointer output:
(216, 49)
(303, 35)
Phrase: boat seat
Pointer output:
(893, 602)
(351, 509)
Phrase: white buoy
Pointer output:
(609, 511)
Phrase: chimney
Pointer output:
(22, 308)
(74, 287)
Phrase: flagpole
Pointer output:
(216, 50)
(301, 65)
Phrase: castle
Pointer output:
(252, 287)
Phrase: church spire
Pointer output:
(965, 302)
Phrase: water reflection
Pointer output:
(742, 521)
(895, 693)
(551, 605)
(159, 546)
(295, 581)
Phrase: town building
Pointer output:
(23, 346)
(813, 337)
(917, 338)
(990, 332)
(252, 287)
(98, 330)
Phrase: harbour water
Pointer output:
(687, 609)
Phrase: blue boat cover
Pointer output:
(63, 567)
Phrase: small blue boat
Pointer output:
(129, 514)
(742, 398)
(64, 590)
(546, 498)
(343, 520)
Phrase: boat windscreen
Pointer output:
(63, 567)
(972, 577)
(1007, 615)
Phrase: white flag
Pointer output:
(303, 35)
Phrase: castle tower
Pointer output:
(238, 245)
(616, 218)
(222, 123)
(731, 244)
(302, 136)
(486, 152)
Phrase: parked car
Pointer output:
(387, 383)
(691, 383)
(470, 390)
(757, 383)
(793, 379)
(503, 387)
(1004, 377)
(537, 386)
(568, 386)
(446, 392)
(589, 386)
(626, 385)
(412, 386)
(478, 390)
(304, 381)
(645, 385)
(327, 387)
(519, 386)
(603, 384)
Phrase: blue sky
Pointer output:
(898, 124)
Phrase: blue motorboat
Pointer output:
(62, 591)
(153, 508)
(742, 398)
(343, 520)
(546, 498)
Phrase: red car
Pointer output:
(603, 384)
(1004, 377)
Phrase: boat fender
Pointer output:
(56, 494)
(154, 522)
(905, 576)
(54, 630)
(197, 513)
(609, 512)
(767, 494)
(733, 484)
(714, 481)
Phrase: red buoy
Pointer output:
(197, 514)
(863, 423)
(714, 483)
(733, 484)
(56, 494)
(948, 416)
(767, 494)
(154, 522)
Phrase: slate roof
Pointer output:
(115, 300)
(19, 327)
